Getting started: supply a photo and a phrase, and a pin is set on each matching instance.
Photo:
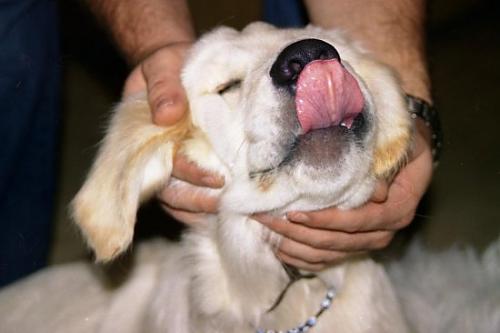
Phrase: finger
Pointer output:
(402, 200)
(167, 100)
(135, 83)
(295, 262)
(189, 198)
(327, 239)
(166, 94)
(188, 171)
(316, 238)
(394, 213)
(309, 254)
(188, 218)
(381, 192)
(369, 217)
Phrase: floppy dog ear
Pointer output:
(134, 162)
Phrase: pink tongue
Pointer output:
(327, 95)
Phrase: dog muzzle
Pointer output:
(327, 95)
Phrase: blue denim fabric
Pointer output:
(285, 13)
(29, 118)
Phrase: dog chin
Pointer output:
(322, 148)
(325, 147)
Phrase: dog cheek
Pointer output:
(391, 156)
(265, 182)
(394, 132)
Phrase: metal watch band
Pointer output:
(420, 108)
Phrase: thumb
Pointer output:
(135, 83)
(381, 192)
(166, 94)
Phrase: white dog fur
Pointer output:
(224, 276)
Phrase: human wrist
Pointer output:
(176, 48)
(140, 27)
(165, 41)
(413, 74)
(391, 31)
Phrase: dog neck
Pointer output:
(249, 260)
(239, 273)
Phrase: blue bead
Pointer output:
(311, 321)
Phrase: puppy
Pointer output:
(297, 119)
(294, 120)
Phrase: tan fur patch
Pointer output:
(266, 181)
(390, 157)
(177, 134)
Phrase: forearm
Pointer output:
(393, 30)
(140, 27)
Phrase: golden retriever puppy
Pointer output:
(296, 119)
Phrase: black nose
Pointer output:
(295, 57)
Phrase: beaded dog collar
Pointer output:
(311, 322)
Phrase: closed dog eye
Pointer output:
(228, 86)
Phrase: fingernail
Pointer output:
(213, 181)
(164, 114)
(298, 217)
(163, 104)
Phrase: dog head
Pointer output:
(300, 118)
(294, 119)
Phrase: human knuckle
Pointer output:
(168, 196)
(405, 221)
(383, 240)
(280, 228)
(210, 205)
(337, 256)
(283, 244)
(205, 205)
(313, 257)
(321, 242)
(157, 91)
(200, 203)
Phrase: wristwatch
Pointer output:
(423, 110)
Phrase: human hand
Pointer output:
(190, 202)
(313, 240)
(159, 74)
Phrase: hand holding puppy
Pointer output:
(339, 233)
(159, 75)
(313, 240)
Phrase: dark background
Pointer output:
(464, 49)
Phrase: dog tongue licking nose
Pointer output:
(327, 95)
